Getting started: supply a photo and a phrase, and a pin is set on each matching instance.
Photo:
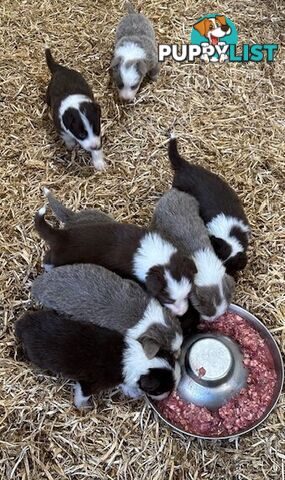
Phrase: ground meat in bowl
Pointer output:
(244, 409)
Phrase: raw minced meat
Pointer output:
(243, 409)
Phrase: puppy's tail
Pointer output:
(130, 8)
(45, 231)
(61, 212)
(51, 63)
(175, 159)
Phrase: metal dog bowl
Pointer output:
(213, 372)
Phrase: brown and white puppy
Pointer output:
(99, 296)
(69, 217)
(219, 207)
(97, 358)
(135, 54)
(76, 115)
(176, 217)
(128, 250)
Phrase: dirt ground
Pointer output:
(230, 118)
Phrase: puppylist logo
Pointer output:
(214, 38)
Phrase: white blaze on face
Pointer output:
(178, 292)
(130, 54)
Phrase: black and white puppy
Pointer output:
(96, 357)
(129, 250)
(220, 208)
(135, 54)
(76, 115)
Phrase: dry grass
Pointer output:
(230, 118)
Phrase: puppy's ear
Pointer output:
(202, 27)
(236, 263)
(70, 118)
(221, 247)
(221, 19)
(141, 67)
(155, 281)
(149, 383)
(150, 346)
(115, 62)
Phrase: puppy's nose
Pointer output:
(225, 28)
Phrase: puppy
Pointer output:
(96, 357)
(135, 54)
(176, 217)
(219, 207)
(76, 115)
(128, 250)
(99, 296)
(70, 218)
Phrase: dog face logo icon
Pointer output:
(216, 31)
(214, 28)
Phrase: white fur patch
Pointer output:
(210, 268)
(178, 291)
(92, 140)
(153, 250)
(176, 344)
(221, 225)
(98, 159)
(80, 400)
(132, 392)
(42, 211)
(130, 51)
(46, 191)
(152, 314)
(136, 363)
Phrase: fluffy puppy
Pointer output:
(76, 115)
(70, 218)
(99, 296)
(135, 54)
(219, 207)
(176, 216)
(128, 250)
(96, 357)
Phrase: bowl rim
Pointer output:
(253, 319)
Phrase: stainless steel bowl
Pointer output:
(212, 370)
(208, 387)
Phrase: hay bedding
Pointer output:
(230, 118)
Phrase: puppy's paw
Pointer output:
(80, 400)
(98, 160)
(99, 164)
(133, 392)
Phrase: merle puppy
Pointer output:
(97, 358)
(101, 297)
(128, 250)
(76, 115)
(135, 54)
(220, 208)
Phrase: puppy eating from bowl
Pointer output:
(97, 358)
(76, 115)
(135, 54)
(177, 218)
(129, 250)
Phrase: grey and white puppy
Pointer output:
(98, 295)
(135, 54)
(70, 218)
(177, 218)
